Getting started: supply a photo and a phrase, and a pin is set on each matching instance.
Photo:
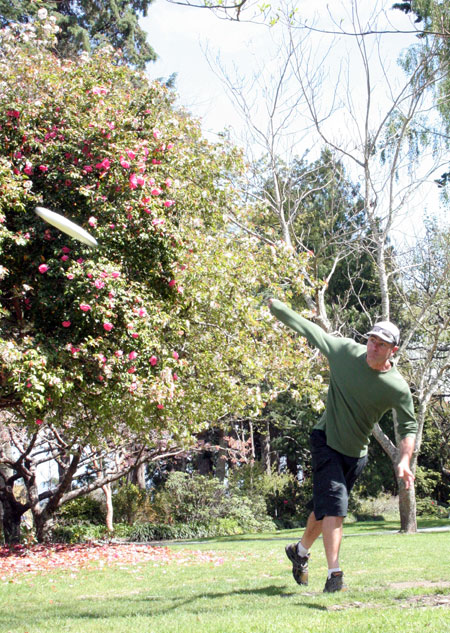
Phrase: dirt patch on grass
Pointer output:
(423, 600)
(412, 584)
(429, 600)
(433, 600)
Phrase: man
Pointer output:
(364, 384)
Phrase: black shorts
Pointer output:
(334, 475)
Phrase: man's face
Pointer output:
(379, 352)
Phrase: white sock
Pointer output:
(302, 551)
(330, 571)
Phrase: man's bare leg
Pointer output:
(332, 537)
(312, 531)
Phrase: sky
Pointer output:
(180, 35)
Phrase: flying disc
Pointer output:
(66, 226)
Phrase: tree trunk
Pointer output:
(266, 449)
(407, 506)
(12, 517)
(107, 491)
(137, 476)
(221, 463)
(42, 524)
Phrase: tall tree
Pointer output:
(89, 24)
(378, 127)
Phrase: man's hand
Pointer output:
(403, 470)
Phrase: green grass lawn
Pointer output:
(396, 583)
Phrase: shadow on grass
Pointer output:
(151, 605)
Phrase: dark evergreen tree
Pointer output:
(88, 24)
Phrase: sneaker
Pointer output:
(299, 564)
(335, 583)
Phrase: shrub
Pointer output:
(285, 497)
(84, 509)
(384, 506)
(144, 532)
(204, 503)
(430, 508)
(79, 533)
(131, 504)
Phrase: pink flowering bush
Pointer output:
(94, 330)
(71, 132)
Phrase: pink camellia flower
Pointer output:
(64, 258)
(156, 134)
(65, 249)
(140, 180)
(172, 282)
(135, 335)
(66, 324)
(160, 406)
(80, 260)
(43, 268)
(170, 145)
(92, 221)
(108, 326)
(43, 168)
(105, 164)
(85, 307)
(74, 350)
(176, 355)
(132, 370)
(39, 422)
(169, 203)
(131, 155)
(28, 169)
(153, 360)
(132, 355)
(70, 276)
(15, 114)
(89, 275)
(98, 283)
(29, 385)
(133, 181)
(118, 353)
(156, 191)
(142, 312)
(132, 387)
(125, 164)
(180, 289)
(88, 168)
(175, 376)
(115, 274)
(112, 226)
(99, 90)
(168, 182)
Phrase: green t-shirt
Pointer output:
(358, 395)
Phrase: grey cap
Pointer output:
(387, 331)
